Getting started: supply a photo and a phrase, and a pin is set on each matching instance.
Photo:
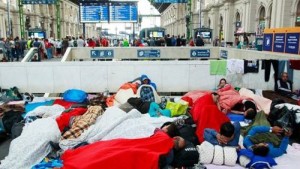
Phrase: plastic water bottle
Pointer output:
(106, 93)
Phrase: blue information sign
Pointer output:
(200, 52)
(170, 1)
(224, 54)
(152, 53)
(93, 12)
(268, 42)
(279, 40)
(102, 53)
(32, 2)
(123, 12)
(292, 43)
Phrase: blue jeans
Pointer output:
(49, 53)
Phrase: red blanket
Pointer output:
(64, 119)
(120, 153)
(207, 115)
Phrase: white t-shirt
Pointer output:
(80, 43)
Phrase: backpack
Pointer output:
(75, 43)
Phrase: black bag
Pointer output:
(186, 157)
(17, 129)
(10, 118)
(276, 114)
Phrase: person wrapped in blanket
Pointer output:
(144, 79)
(152, 152)
(228, 136)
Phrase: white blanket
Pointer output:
(32, 145)
(47, 111)
(115, 123)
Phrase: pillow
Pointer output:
(123, 95)
(218, 158)
(206, 152)
(230, 156)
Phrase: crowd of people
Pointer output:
(13, 49)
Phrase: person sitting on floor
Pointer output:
(222, 83)
(144, 79)
(229, 134)
(283, 86)
(266, 146)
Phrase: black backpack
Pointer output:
(75, 43)
(187, 157)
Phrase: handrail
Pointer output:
(29, 54)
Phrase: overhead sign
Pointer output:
(200, 53)
(268, 42)
(102, 53)
(170, 1)
(292, 43)
(279, 40)
(94, 12)
(151, 53)
(37, 2)
(123, 12)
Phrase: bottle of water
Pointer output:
(106, 93)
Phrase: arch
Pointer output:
(237, 17)
(297, 22)
(262, 13)
(270, 15)
(209, 22)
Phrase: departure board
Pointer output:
(123, 12)
(93, 12)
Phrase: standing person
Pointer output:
(125, 43)
(80, 42)
(173, 40)
(199, 41)
(216, 41)
(168, 40)
(191, 43)
(7, 47)
(178, 41)
(48, 47)
(58, 46)
(2, 48)
(65, 45)
(38, 45)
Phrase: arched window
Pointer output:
(270, 14)
(298, 15)
(238, 17)
(209, 22)
(262, 15)
(237, 21)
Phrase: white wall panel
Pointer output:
(66, 77)
(40, 78)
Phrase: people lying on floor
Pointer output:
(262, 145)
(152, 108)
(228, 136)
(283, 86)
(247, 108)
(152, 152)
(206, 113)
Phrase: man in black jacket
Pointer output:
(283, 86)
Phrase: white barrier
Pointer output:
(170, 76)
